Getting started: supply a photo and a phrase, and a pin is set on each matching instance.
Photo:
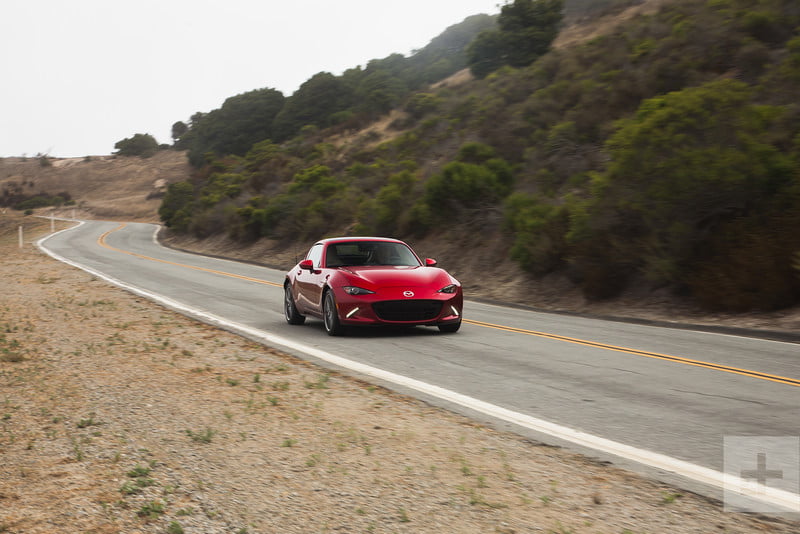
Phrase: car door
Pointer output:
(309, 283)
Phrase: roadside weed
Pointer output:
(84, 423)
(202, 437)
(130, 488)
(465, 470)
(403, 516)
(138, 471)
(76, 449)
(151, 510)
(320, 383)
(669, 497)
(11, 351)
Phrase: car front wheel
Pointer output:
(289, 308)
(330, 316)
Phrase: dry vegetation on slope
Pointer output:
(103, 187)
(117, 415)
(588, 28)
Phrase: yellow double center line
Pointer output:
(102, 242)
(666, 357)
(647, 354)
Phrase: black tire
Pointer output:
(330, 316)
(450, 328)
(289, 308)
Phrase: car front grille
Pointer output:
(407, 310)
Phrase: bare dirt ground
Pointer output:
(118, 416)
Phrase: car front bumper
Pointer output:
(393, 307)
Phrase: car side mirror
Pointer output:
(430, 262)
(308, 265)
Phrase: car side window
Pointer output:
(315, 255)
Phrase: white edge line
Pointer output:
(785, 500)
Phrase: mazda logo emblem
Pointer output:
(408, 294)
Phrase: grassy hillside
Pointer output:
(665, 152)
(96, 187)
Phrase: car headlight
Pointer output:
(448, 289)
(353, 290)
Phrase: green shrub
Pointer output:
(422, 104)
(461, 186)
(388, 213)
(42, 200)
(684, 168)
(539, 233)
(176, 207)
(221, 186)
(144, 145)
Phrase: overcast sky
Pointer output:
(76, 76)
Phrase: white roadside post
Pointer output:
(21, 242)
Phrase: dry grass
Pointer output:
(584, 31)
(103, 187)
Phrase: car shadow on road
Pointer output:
(373, 332)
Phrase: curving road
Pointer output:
(657, 400)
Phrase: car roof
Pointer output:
(348, 239)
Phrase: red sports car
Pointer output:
(354, 281)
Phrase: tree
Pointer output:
(314, 103)
(144, 145)
(379, 92)
(242, 121)
(526, 30)
(487, 53)
(179, 129)
(530, 26)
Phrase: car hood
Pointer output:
(397, 276)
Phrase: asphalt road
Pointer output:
(671, 393)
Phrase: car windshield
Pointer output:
(357, 253)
